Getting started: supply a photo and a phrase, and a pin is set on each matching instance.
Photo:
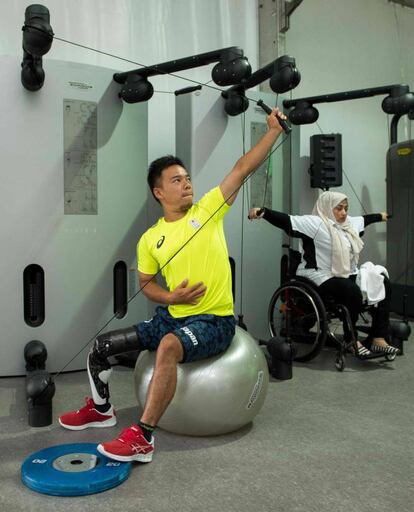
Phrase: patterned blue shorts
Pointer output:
(202, 336)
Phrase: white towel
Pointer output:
(370, 279)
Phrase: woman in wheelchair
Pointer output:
(330, 246)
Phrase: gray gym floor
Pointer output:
(323, 441)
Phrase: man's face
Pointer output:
(174, 188)
(341, 211)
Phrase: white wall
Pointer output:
(340, 46)
(146, 32)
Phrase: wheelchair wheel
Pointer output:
(340, 363)
(297, 312)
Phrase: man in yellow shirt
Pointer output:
(197, 321)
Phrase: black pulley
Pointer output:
(282, 353)
(40, 387)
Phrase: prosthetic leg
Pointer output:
(98, 366)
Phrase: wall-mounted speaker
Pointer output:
(326, 160)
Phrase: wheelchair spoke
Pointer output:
(297, 312)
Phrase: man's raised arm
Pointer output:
(252, 159)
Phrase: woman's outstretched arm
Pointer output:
(375, 217)
(279, 219)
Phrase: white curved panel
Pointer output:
(77, 252)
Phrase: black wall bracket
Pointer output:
(283, 74)
(399, 101)
(232, 68)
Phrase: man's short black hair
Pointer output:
(157, 166)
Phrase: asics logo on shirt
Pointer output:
(160, 241)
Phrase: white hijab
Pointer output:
(341, 257)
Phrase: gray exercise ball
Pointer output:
(213, 396)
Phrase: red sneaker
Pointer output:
(87, 417)
(131, 445)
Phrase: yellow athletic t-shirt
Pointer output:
(205, 257)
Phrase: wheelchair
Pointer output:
(298, 314)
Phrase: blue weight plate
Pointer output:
(72, 470)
